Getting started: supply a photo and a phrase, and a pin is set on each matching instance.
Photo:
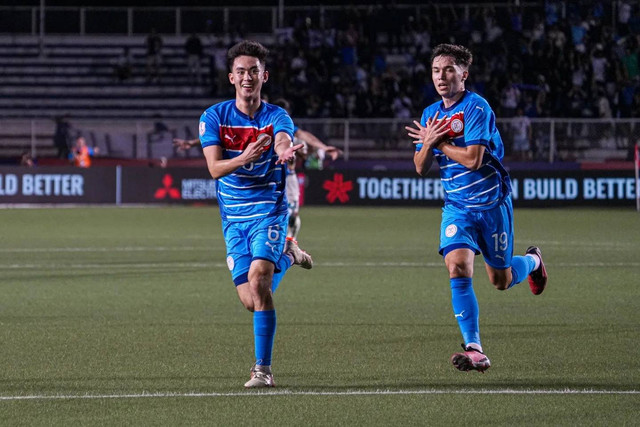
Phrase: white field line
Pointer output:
(322, 393)
(171, 264)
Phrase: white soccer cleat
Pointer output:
(299, 256)
(261, 376)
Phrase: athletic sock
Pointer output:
(264, 330)
(475, 346)
(521, 266)
(283, 265)
(294, 228)
(465, 309)
(536, 259)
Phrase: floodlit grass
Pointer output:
(137, 304)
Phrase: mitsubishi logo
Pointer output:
(167, 189)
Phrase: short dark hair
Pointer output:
(283, 103)
(246, 48)
(460, 54)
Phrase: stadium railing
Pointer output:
(553, 139)
(183, 20)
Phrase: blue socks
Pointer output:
(283, 265)
(465, 304)
(465, 309)
(521, 266)
(264, 330)
(264, 322)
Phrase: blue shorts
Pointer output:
(259, 239)
(488, 232)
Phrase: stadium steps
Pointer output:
(76, 77)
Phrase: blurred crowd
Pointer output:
(558, 59)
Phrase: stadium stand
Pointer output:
(362, 65)
(76, 76)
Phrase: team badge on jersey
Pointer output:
(202, 128)
(456, 124)
(451, 230)
(230, 263)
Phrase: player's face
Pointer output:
(248, 75)
(448, 77)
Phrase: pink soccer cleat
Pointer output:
(538, 277)
(470, 360)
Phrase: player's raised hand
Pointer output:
(254, 150)
(183, 144)
(333, 152)
(289, 154)
(431, 134)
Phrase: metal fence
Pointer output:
(551, 139)
(257, 19)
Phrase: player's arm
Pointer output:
(469, 157)
(423, 159)
(219, 167)
(315, 142)
(429, 136)
(476, 133)
(284, 147)
(185, 144)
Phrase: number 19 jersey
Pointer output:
(471, 121)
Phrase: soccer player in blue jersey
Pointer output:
(460, 133)
(247, 143)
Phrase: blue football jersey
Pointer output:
(471, 121)
(257, 189)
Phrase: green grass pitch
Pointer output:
(128, 316)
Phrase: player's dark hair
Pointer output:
(246, 48)
(281, 102)
(460, 54)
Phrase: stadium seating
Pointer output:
(76, 76)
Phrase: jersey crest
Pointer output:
(456, 125)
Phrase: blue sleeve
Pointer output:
(209, 129)
(423, 122)
(282, 123)
(478, 122)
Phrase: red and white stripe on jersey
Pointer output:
(236, 138)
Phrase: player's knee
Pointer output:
(459, 270)
(260, 285)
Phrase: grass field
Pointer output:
(128, 317)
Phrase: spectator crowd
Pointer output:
(558, 59)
